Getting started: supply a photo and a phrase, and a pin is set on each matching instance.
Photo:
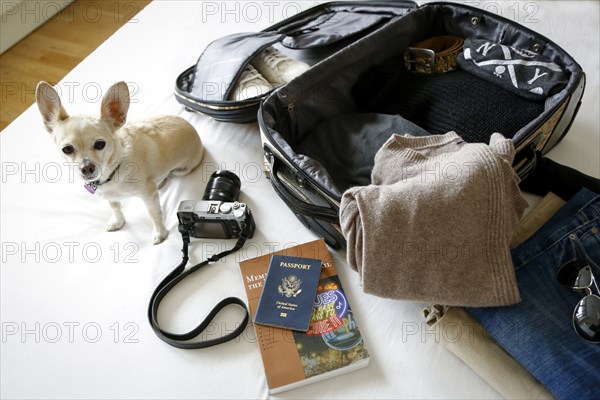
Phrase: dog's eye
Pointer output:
(99, 145)
(68, 149)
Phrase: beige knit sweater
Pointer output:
(436, 222)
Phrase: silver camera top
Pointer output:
(209, 209)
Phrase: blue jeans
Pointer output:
(538, 332)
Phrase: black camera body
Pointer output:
(218, 215)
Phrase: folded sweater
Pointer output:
(435, 223)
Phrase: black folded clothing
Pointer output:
(453, 101)
(550, 176)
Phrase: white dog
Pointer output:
(118, 160)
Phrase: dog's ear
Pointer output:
(115, 104)
(49, 104)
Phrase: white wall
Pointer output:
(18, 18)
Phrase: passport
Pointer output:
(289, 292)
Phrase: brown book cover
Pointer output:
(333, 344)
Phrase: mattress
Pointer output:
(74, 297)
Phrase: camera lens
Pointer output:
(223, 186)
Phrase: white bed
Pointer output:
(74, 297)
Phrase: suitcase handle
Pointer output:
(298, 206)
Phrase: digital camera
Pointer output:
(218, 215)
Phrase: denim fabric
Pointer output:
(538, 332)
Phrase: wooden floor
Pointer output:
(56, 47)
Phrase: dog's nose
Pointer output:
(88, 169)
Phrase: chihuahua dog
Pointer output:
(118, 160)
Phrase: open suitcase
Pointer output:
(320, 131)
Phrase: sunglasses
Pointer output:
(577, 275)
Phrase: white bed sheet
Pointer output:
(74, 297)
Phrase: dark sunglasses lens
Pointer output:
(584, 278)
(575, 274)
(586, 318)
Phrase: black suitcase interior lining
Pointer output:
(332, 90)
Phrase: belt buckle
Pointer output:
(410, 59)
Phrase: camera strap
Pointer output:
(182, 340)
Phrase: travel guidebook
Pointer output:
(332, 345)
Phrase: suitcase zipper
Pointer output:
(218, 107)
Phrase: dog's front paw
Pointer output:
(158, 236)
(114, 224)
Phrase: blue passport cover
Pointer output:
(289, 293)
